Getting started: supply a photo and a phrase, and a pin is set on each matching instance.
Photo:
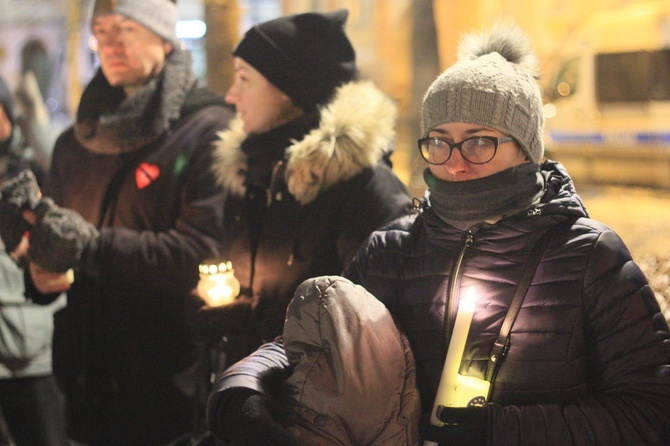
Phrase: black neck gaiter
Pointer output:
(488, 198)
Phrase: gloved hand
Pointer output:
(17, 195)
(61, 239)
(464, 427)
(246, 418)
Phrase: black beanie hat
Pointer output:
(306, 56)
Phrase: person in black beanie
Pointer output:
(130, 208)
(305, 56)
(306, 169)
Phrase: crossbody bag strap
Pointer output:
(501, 344)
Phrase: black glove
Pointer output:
(464, 427)
(246, 418)
(17, 195)
(61, 239)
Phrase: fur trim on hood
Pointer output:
(354, 133)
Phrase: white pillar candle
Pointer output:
(455, 390)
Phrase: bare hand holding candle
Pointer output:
(456, 390)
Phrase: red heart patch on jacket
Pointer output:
(145, 174)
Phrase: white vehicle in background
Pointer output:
(608, 105)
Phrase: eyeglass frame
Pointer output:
(457, 145)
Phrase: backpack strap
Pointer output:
(501, 345)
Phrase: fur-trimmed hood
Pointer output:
(354, 133)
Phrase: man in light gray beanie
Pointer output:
(160, 16)
(129, 209)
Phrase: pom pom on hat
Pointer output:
(160, 16)
(306, 56)
(493, 83)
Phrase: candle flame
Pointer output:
(220, 294)
(469, 301)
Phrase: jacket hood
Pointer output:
(354, 132)
(560, 196)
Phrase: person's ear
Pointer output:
(167, 47)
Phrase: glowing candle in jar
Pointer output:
(218, 284)
(456, 390)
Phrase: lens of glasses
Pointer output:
(478, 150)
(475, 150)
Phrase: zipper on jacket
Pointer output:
(273, 182)
(270, 198)
(453, 305)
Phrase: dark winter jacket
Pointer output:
(301, 199)
(124, 347)
(589, 357)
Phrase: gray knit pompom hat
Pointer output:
(493, 83)
(160, 16)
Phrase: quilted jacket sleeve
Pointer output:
(628, 345)
(259, 371)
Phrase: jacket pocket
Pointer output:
(25, 331)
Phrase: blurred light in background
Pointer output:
(191, 29)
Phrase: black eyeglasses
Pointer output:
(474, 150)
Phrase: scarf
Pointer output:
(110, 123)
(463, 203)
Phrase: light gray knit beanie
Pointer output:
(160, 16)
(493, 83)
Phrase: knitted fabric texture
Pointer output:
(490, 198)
(17, 195)
(160, 16)
(61, 239)
(493, 83)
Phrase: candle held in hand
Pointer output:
(456, 390)
(218, 284)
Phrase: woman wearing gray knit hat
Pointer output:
(562, 339)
